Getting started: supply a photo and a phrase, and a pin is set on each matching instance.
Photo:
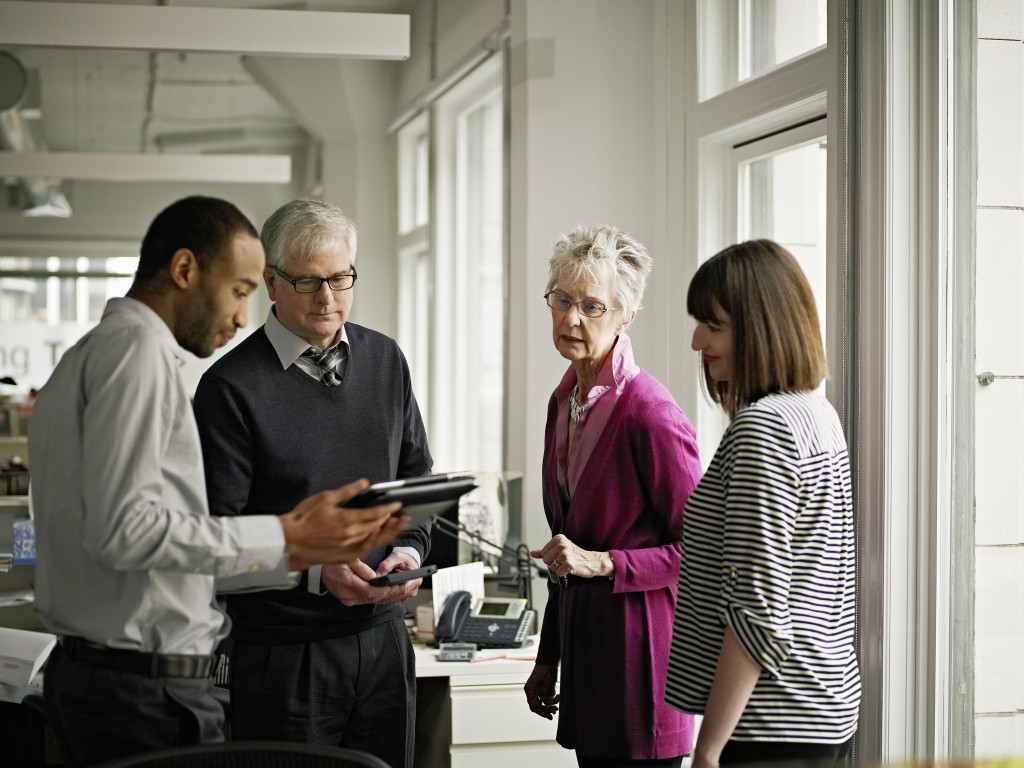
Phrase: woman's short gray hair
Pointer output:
(306, 228)
(589, 251)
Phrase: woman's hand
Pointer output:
(566, 559)
(540, 690)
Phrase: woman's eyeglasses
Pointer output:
(587, 308)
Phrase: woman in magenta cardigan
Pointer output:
(620, 461)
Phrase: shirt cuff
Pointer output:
(411, 551)
(313, 580)
(260, 562)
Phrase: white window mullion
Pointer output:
(903, 382)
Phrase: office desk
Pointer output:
(481, 708)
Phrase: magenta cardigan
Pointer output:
(634, 465)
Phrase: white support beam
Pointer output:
(315, 34)
(248, 169)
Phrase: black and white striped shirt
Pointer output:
(768, 549)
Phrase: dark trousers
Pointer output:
(101, 714)
(780, 754)
(357, 691)
(625, 762)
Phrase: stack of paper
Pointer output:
(22, 653)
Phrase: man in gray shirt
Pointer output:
(129, 558)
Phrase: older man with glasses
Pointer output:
(307, 399)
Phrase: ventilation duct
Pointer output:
(19, 134)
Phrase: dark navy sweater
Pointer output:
(273, 437)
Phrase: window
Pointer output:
(452, 256)
(47, 302)
(415, 288)
(742, 40)
(898, 277)
(782, 195)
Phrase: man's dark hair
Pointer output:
(204, 225)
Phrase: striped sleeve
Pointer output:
(762, 491)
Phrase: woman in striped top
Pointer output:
(763, 642)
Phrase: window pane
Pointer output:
(413, 175)
(421, 205)
(480, 254)
(419, 359)
(773, 32)
(47, 304)
(744, 39)
(783, 197)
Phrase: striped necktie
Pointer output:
(327, 359)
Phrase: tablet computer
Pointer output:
(421, 497)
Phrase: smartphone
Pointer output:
(399, 577)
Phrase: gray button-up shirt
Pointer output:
(127, 551)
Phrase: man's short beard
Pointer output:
(196, 329)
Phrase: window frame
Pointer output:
(442, 238)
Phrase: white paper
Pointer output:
(469, 577)
(22, 653)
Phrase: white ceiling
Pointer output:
(123, 101)
(128, 101)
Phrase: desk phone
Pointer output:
(494, 622)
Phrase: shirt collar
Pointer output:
(619, 368)
(286, 344)
(148, 317)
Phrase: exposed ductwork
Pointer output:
(20, 134)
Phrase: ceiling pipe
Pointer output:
(20, 135)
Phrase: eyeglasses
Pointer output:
(312, 284)
(563, 303)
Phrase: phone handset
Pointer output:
(456, 609)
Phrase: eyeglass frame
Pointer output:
(578, 305)
(296, 280)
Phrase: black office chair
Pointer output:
(252, 754)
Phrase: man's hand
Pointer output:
(319, 531)
(348, 582)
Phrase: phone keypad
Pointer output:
(496, 633)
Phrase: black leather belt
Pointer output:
(137, 662)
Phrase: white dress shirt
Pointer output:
(127, 551)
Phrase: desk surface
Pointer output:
(493, 666)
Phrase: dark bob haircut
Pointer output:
(775, 332)
(204, 225)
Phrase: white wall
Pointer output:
(999, 482)
(589, 143)
(346, 106)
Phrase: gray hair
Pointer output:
(305, 228)
(591, 251)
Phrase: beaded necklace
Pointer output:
(575, 409)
